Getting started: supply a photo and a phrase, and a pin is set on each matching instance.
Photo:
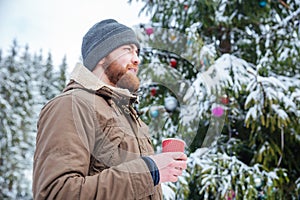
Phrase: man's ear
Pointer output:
(99, 67)
(102, 61)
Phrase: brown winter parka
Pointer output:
(89, 145)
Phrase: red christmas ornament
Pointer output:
(153, 91)
(185, 7)
(225, 100)
(173, 62)
(149, 30)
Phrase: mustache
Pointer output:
(131, 66)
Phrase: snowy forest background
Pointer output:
(233, 68)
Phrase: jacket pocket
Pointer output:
(145, 140)
(107, 146)
(146, 146)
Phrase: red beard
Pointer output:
(122, 78)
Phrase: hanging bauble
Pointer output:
(262, 3)
(170, 104)
(173, 62)
(217, 111)
(185, 7)
(230, 195)
(149, 31)
(154, 113)
(173, 37)
(153, 91)
(189, 42)
(225, 100)
(205, 61)
(202, 63)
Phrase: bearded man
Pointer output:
(90, 142)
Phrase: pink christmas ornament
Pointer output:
(225, 100)
(149, 31)
(217, 111)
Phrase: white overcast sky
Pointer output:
(57, 26)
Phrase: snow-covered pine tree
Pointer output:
(47, 79)
(16, 125)
(61, 75)
(255, 48)
(27, 82)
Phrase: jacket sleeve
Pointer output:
(62, 158)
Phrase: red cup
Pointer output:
(173, 145)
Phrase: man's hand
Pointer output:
(170, 165)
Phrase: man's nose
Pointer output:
(135, 59)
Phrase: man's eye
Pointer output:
(128, 49)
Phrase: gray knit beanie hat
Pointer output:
(104, 37)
